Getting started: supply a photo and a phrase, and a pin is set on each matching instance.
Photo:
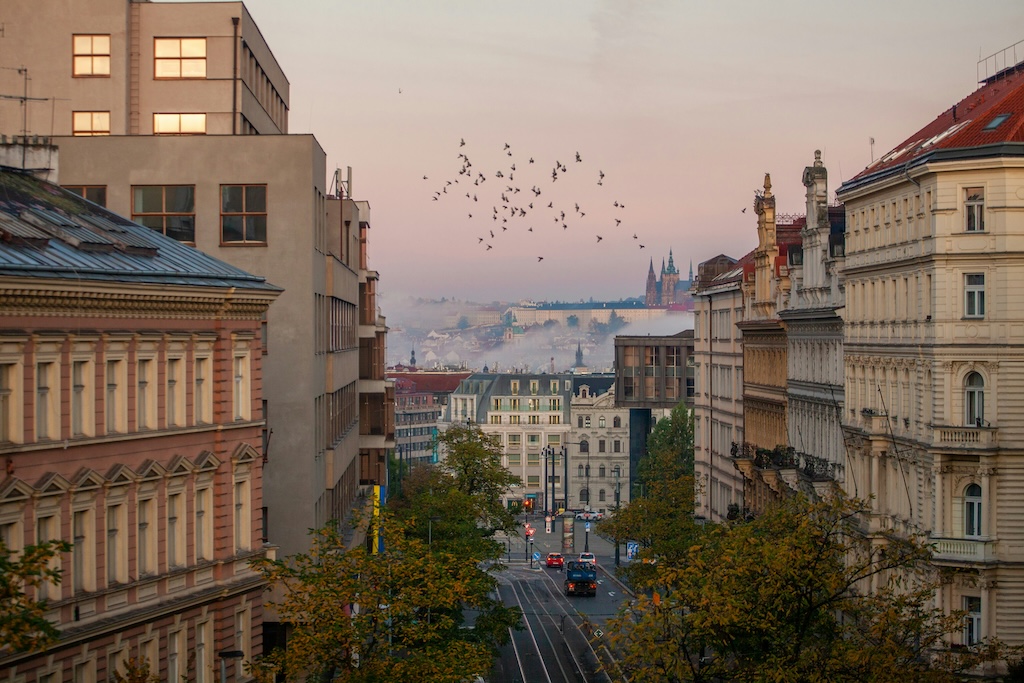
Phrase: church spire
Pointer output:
(671, 264)
(691, 270)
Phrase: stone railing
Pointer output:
(786, 458)
(963, 549)
(965, 437)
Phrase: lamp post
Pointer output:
(618, 484)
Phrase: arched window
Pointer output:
(974, 400)
(584, 496)
(601, 422)
(600, 496)
(972, 511)
(584, 446)
(587, 470)
(579, 471)
(616, 422)
(600, 471)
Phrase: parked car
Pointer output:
(590, 516)
(555, 560)
(588, 558)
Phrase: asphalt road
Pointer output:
(562, 636)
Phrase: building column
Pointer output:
(940, 499)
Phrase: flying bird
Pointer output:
(600, 175)
(635, 237)
(577, 208)
(743, 210)
(424, 177)
(539, 259)
(481, 239)
(641, 246)
(599, 238)
(530, 229)
(615, 204)
(462, 142)
(489, 247)
(506, 145)
(578, 157)
(531, 160)
(550, 205)
(618, 221)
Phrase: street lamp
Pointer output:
(618, 484)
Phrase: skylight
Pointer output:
(996, 122)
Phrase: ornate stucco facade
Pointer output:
(934, 348)
(599, 438)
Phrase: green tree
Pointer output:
(135, 671)
(797, 594)
(359, 616)
(572, 321)
(23, 625)
(463, 323)
(672, 436)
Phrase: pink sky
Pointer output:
(684, 106)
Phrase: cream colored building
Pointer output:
(598, 448)
(934, 348)
(718, 385)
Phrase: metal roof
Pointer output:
(46, 231)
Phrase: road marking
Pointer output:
(611, 594)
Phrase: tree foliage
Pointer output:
(672, 438)
(797, 594)
(23, 625)
(404, 614)
(135, 671)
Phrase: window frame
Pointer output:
(166, 60)
(973, 510)
(202, 388)
(245, 214)
(92, 55)
(46, 398)
(12, 404)
(98, 192)
(98, 124)
(174, 391)
(974, 209)
(180, 123)
(164, 214)
(974, 400)
(974, 296)
(972, 620)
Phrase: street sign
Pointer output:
(536, 556)
(587, 527)
(632, 548)
(598, 633)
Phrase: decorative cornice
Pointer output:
(131, 304)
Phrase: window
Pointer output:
(495, 404)
(179, 124)
(534, 419)
(169, 209)
(240, 388)
(146, 537)
(533, 458)
(115, 408)
(117, 544)
(584, 446)
(579, 471)
(513, 404)
(601, 471)
(83, 554)
(533, 480)
(601, 422)
(515, 387)
(579, 421)
(554, 419)
(175, 531)
(586, 421)
(175, 650)
(972, 511)
(90, 123)
(600, 496)
(533, 404)
(974, 400)
(202, 396)
(617, 422)
(515, 459)
(243, 632)
(145, 394)
(513, 419)
(47, 529)
(600, 446)
(972, 620)
(82, 417)
(585, 496)
(204, 650)
(243, 526)
(175, 398)
(554, 386)
(533, 387)
(533, 439)
(243, 214)
(9, 404)
(97, 194)
(555, 404)
(616, 446)
(974, 209)
(514, 440)
(46, 401)
(495, 419)
(974, 295)
(179, 58)
(204, 524)
(90, 56)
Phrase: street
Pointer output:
(562, 636)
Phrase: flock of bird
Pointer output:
(497, 203)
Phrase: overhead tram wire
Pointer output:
(896, 450)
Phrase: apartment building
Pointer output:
(131, 426)
(176, 115)
(598, 447)
(934, 346)
(421, 397)
(718, 384)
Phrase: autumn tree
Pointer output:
(797, 594)
(361, 616)
(660, 519)
(23, 625)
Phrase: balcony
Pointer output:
(948, 436)
(963, 550)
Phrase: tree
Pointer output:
(23, 625)
(362, 616)
(572, 321)
(797, 594)
(673, 437)
(136, 671)
(463, 323)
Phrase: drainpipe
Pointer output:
(234, 80)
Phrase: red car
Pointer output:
(555, 560)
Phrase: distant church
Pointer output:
(668, 290)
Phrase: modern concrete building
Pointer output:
(131, 426)
(421, 397)
(934, 346)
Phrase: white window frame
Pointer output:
(90, 55)
(83, 396)
(243, 631)
(974, 400)
(204, 652)
(974, 209)
(83, 546)
(973, 511)
(12, 389)
(175, 528)
(115, 379)
(974, 295)
(972, 620)
(176, 659)
(204, 523)
(47, 398)
(241, 385)
(166, 123)
(188, 54)
(242, 509)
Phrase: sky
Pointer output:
(682, 105)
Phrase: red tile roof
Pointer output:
(427, 382)
(961, 127)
